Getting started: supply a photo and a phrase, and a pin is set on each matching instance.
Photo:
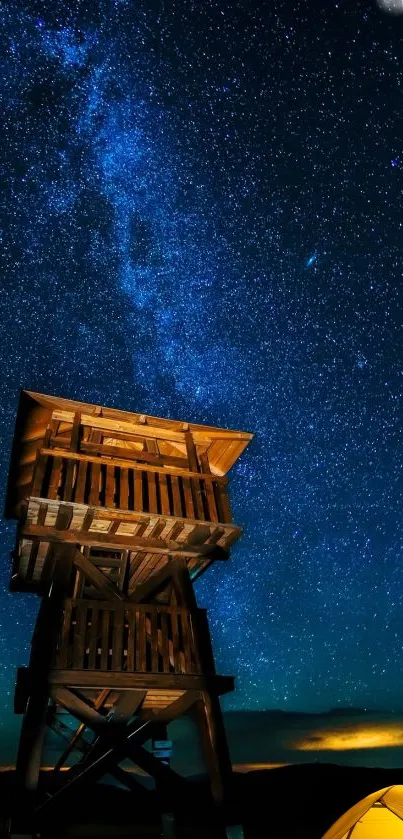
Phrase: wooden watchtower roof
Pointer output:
(124, 430)
(114, 481)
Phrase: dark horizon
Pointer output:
(259, 739)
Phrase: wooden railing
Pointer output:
(96, 482)
(135, 638)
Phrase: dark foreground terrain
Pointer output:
(291, 802)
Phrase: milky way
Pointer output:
(202, 219)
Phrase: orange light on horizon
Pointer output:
(253, 767)
(365, 737)
(237, 767)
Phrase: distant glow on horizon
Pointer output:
(366, 737)
(255, 767)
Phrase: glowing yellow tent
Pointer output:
(378, 816)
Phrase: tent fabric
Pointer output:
(393, 799)
(378, 815)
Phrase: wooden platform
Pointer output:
(128, 546)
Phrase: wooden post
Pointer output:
(44, 641)
(31, 739)
(214, 743)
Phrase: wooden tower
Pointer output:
(118, 513)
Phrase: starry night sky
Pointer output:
(202, 219)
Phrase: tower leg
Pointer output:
(215, 745)
(31, 741)
(162, 749)
(43, 646)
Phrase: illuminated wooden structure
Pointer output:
(117, 514)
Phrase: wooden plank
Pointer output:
(157, 529)
(88, 519)
(47, 630)
(175, 709)
(105, 424)
(124, 453)
(223, 505)
(126, 706)
(152, 492)
(114, 527)
(141, 521)
(176, 496)
(31, 740)
(138, 491)
(75, 433)
(164, 496)
(48, 565)
(215, 744)
(130, 607)
(105, 562)
(184, 590)
(55, 478)
(145, 591)
(105, 638)
(96, 577)
(209, 490)
(123, 579)
(69, 481)
(137, 467)
(78, 708)
(79, 585)
(216, 535)
(97, 679)
(141, 651)
(79, 636)
(124, 488)
(95, 483)
(63, 411)
(79, 494)
(131, 639)
(175, 640)
(154, 641)
(144, 570)
(39, 475)
(165, 642)
(230, 536)
(216, 434)
(63, 518)
(93, 637)
(191, 452)
(188, 496)
(76, 740)
(197, 499)
(194, 482)
(137, 561)
(33, 554)
(117, 637)
(137, 639)
(117, 542)
(64, 648)
(110, 486)
(186, 637)
(177, 530)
